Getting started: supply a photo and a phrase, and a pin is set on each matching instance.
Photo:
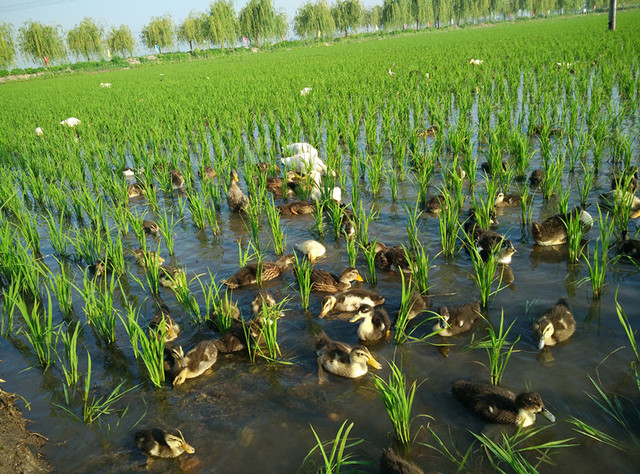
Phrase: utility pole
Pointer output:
(613, 4)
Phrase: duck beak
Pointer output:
(541, 344)
(359, 278)
(187, 447)
(355, 318)
(548, 415)
(171, 334)
(374, 363)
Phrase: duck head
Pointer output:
(361, 355)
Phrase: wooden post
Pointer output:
(613, 4)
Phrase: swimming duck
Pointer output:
(457, 319)
(342, 359)
(236, 198)
(619, 197)
(417, 304)
(297, 208)
(350, 300)
(162, 444)
(196, 362)
(275, 185)
(391, 258)
(509, 200)
(435, 204)
(144, 256)
(324, 282)
(249, 274)
(375, 325)
(169, 276)
(488, 241)
(557, 324)
(536, 178)
(553, 231)
(261, 300)
(498, 405)
(137, 189)
(486, 167)
(312, 249)
(150, 228)
(630, 247)
(207, 173)
(628, 179)
(428, 132)
(177, 180)
(172, 328)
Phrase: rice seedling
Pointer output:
(448, 224)
(553, 170)
(38, 328)
(61, 285)
(392, 180)
(57, 236)
(585, 184)
(99, 307)
(303, 276)
(183, 294)
(453, 454)
(89, 245)
(335, 453)
(198, 213)
(499, 350)
(521, 152)
(336, 216)
(167, 230)
(485, 203)
(397, 397)
(369, 251)
(264, 334)
(526, 207)
(9, 298)
(412, 224)
(69, 359)
(419, 266)
(352, 250)
(362, 221)
(278, 237)
(599, 260)
(484, 274)
(253, 214)
(215, 304)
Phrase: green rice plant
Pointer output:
(62, 285)
(336, 216)
(448, 224)
(419, 266)
(215, 304)
(38, 328)
(512, 449)
(375, 171)
(198, 213)
(402, 319)
(253, 214)
(599, 261)
(453, 454)
(553, 171)
(412, 224)
(99, 307)
(120, 217)
(57, 236)
(622, 205)
(184, 296)
(397, 397)
(69, 359)
(264, 335)
(303, 276)
(369, 251)
(318, 218)
(278, 236)
(392, 180)
(29, 230)
(526, 207)
(521, 152)
(563, 202)
(9, 297)
(362, 221)
(166, 229)
(624, 321)
(89, 245)
(485, 203)
(575, 233)
(598, 435)
(585, 184)
(352, 250)
(335, 453)
(499, 350)
(484, 274)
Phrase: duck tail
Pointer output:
(322, 339)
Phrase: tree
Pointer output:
(372, 16)
(395, 13)
(85, 39)
(7, 46)
(222, 23)
(193, 29)
(159, 32)
(120, 40)
(613, 6)
(346, 14)
(421, 11)
(314, 19)
(38, 41)
(259, 20)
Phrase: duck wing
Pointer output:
(245, 276)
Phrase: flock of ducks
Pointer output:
(492, 404)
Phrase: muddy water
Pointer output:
(257, 416)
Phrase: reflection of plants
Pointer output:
(335, 455)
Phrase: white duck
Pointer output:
(312, 249)
(71, 122)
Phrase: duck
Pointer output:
(172, 328)
(275, 185)
(350, 300)
(508, 200)
(297, 208)
(71, 122)
(323, 281)
(536, 178)
(488, 241)
(375, 324)
(629, 247)
(158, 443)
(207, 173)
(628, 179)
(498, 405)
(196, 362)
(137, 189)
(435, 204)
(553, 231)
(177, 180)
(304, 160)
(619, 197)
(312, 249)
(342, 359)
(428, 132)
(261, 301)
(417, 304)
(457, 319)
(556, 324)
(170, 276)
(391, 258)
(249, 274)
(144, 256)
(236, 198)
(486, 167)
(393, 463)
(150, 228)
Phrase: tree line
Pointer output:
(258, 22)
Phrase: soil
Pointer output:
(19, 448)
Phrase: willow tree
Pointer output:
(441, 11)
(159, 32)
(347, 14)
(421, 11)
(7, 46)
(314, 19)
(395, 13)
(259, 20)
(85, 39)
(193, 29)
(38, 41)
(371, 16)
(222, 23)
(120, 40)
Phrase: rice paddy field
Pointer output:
(395, 120)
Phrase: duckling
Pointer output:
(150, 228)
(417, 304)
(428, 132)
(486, 167)
(207, 173)
(630, 247)
(172, 328)
(144, 256)
(297, 208)
(130, 173)
(350, 300)
(458, 319)
(275, 185)
(435, 204)
(553, 231)
(488, 241)
(169, 276)
(390, 258)
(312, 249)
(249, 274)
(177, 180)
(341, 359)
(393, 463)
(261, 300)
(137, 189)
(162, 444)
(557, 324)
(236, 198)
(498, 405)
(509, 200)
(375, 325)
(196, 362)
(324, 282)
(536, 178)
